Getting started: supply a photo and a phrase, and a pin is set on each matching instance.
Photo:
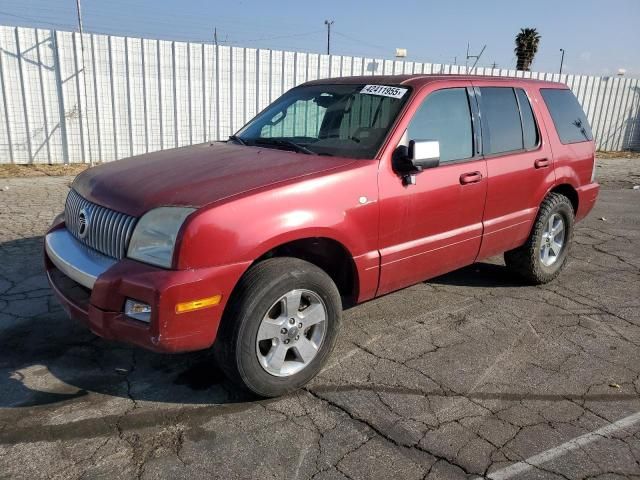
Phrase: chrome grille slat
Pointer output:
(97, 230)
(116, 238)
(121, 228)
(106, 233)
(117, 227)
(111, 243)
(109, 231)
(95, 225)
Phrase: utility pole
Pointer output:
(561, 60)
(84, 80)
(79, 16)
(215, 36)
(328, 23)
(494, 66)
(466, 63)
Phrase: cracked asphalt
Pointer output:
(468, 375)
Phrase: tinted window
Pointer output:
(529, 130)
(570, 121)
(501, 130)
(445, 116)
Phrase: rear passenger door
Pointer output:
(519, 164)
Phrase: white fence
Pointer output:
(139, 95)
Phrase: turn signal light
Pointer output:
(198, 304)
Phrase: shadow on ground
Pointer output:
(37, 338)
(485, 275)
(41, 344)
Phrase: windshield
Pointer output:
(341, 120)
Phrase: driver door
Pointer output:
(435, 225)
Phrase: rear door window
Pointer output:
(445, 116)
(570, 121)
(501, 128)
(529, 129)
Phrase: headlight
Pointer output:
(154, 237)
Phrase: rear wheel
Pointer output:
(544, 255)
(280, 326)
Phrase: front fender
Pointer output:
(341, 205)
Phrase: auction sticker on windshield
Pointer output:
(384, 90)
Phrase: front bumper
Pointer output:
(77, 261)
(93, 289)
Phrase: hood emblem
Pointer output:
(84, 222)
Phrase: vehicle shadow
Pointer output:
(483, 275)
(46, 358)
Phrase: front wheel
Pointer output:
(280, 327)
(544, 255)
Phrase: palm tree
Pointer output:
(526, 47)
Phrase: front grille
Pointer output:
(100, 228)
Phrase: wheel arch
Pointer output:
(328, 254)
(568, 191)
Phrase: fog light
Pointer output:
(137, 310)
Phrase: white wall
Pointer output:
(144, 95)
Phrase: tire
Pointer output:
(529, 259)
(259, 307)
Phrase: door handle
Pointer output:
(542, 163)
(471, 177)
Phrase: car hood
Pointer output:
(194, 176)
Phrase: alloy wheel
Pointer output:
(553, 240)
(291, 333)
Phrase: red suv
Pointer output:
(340, 191)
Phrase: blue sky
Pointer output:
(599, 37)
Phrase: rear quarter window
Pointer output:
(501, 126)
(570, 121)
(529, 128)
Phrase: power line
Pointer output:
(304, 34)
(353, 39)
(123, 9)
(102, 23)
(31, 19)
(110, 22)
(99, 21)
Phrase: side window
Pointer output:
(529, 129)
(570, 121)
(501, 130)
(445, 116)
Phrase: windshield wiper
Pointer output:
(235, 138)
(282, 142)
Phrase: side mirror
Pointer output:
(424, 153)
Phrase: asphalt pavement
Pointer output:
(470, 374)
